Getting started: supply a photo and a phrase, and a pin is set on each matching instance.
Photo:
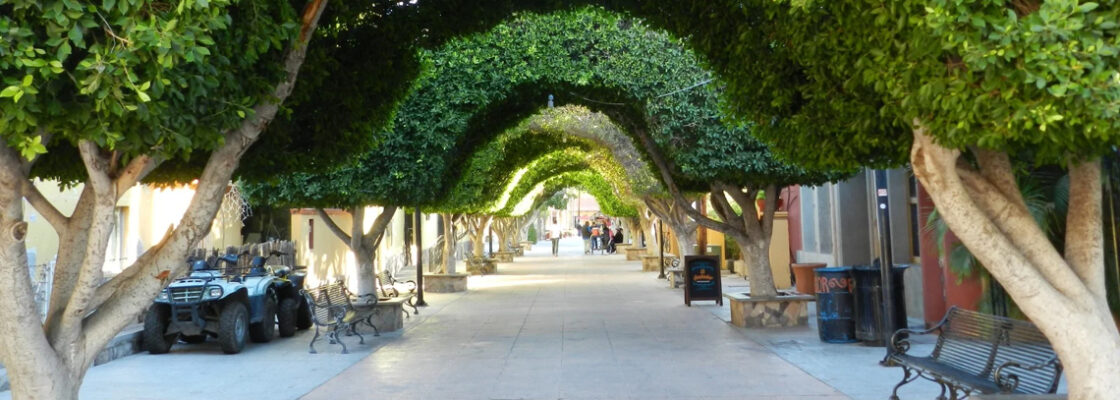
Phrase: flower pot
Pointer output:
(803, 274)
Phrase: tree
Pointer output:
(98, 88)
(964, 86)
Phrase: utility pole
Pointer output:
(419, 259)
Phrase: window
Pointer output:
(311, 234)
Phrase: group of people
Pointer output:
(599, 237)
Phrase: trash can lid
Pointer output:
(875, 268)
(833, 269)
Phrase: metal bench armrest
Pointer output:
(1009, 381)
(900, 344)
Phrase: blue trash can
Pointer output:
(835, 322)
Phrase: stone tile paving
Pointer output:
(572, 327)
(569, 327)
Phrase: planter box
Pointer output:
(503, 256)
(620, 248)
(635, 253)
(389, 313)
(528, 246)
(445, 283)
(784, 311)
(649, 263)
(482, 266)
(519, 251)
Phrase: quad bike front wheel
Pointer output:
(234, 327)
(156, 339)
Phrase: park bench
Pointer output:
(333, 311)
(390, 287)
(979, 353)
(674, 271)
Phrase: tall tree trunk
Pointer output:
(364, 245)
(33, 366)
(1062, 293)
(477, 230)
(50, 361)
(683, 227)
(449, 242)
(646, 223)
(755, 253)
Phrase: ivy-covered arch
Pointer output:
(479, 86)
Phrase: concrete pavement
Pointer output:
(543, 327)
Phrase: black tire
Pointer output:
(193, 339)
(303, 317)
(286, 317)
(264, 331)
(234, 327)
(156, 341)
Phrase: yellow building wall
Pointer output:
(779, 251)
(326, 257)
(144, 214)
(716, 238)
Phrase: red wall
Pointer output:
(940, 289)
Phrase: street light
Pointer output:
(661, 247)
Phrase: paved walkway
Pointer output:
(572, 327)
(568, 327)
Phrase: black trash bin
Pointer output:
(834, 305)
(869, 303)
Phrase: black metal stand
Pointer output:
(886, 323)
(419, 260)
(661, 248)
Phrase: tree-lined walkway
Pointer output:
(572, 327)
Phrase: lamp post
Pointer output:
(661, 247)
(419, 259)
(886, 323)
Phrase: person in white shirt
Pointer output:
(554, 234)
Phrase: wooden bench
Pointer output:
(979, 353)
(332, 310)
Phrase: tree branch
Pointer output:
(995, 167)
(377, 231)
(334, 228)
(1017, 225)
(136, 170)
(769, 207)
(724, 209)
(936, 167)
(113, 287)
(1084, 236)
(97, 165)
(49, 212)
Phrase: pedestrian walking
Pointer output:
(585, 233)
(554, 234)
(605, 239)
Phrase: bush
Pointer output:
(732, 248)
(532, 235)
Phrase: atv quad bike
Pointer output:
(218, 299)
